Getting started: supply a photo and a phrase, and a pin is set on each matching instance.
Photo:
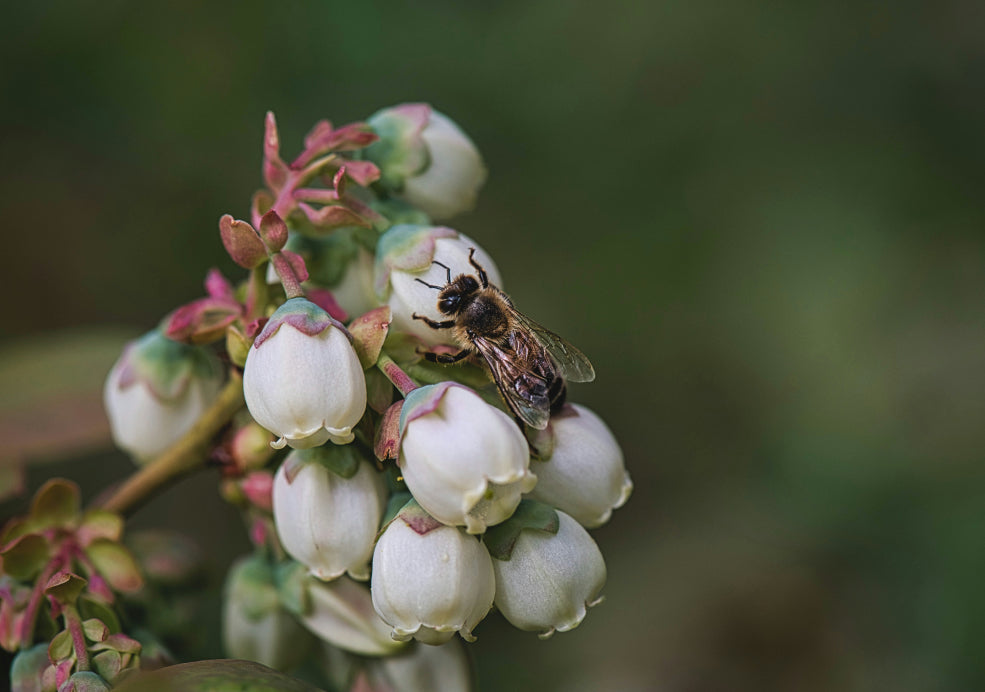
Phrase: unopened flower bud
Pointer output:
(584, 476)
(425, 158)
(430, 580)
(156, 391)
(546, 576)
(327, 512)
(465, 462)
(407, 253)
(250, 447)
(423, 669)
(302, 380)
(255, 626)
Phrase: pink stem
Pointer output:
(74, 624)
(395, 374)
(285, 272)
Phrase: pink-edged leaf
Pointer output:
(65, 587)
(255, 327)
(324, 299)
(362, 172)
(218, 286)
(242, 242)
(387, 443)
(115, 564)
(274, 169)
(273, 231)
(332, 216)
(318, 195)
(321, 130)
(323, 139)
(338, 182)
(99, 523)
(60, 647)
(95, 629)
(63, 671)
(118, 642)
(368, 334)
(56, 503)
(202, 321)
(99, 590)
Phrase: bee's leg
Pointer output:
(447, 270)
(446, 357)
(483, 279)
(447, 324)
(438, 288)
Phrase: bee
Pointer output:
(529, 363)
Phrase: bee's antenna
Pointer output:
(437, 288)
(447, 270)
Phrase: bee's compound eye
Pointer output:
(448, 305)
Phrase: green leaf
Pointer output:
(368, 334)
(118, 642)
(115, 563)
(534, 516)
(25, 557)
(65, 587)
(220, 675)
(56, 503)
(60, 647)
(394, 505)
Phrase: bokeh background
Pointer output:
(763, 221)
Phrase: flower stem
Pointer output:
(395, 374)
(73, 622)
(285, 272)
(184, 456)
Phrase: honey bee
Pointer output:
(528, 363)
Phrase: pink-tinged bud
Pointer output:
(302, 380)
(584, 476)
(465, 462)
(423, 669)
(406, 253)
(250, 447)
(430, 580)
(546, 576)
(258, 487)
(327, 507)
(425, 158)
(156, 391)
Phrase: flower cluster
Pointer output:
(391, 495)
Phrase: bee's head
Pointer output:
(452, 296)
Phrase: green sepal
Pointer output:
(95, 629)
(65, 587)
(252, 585)
(379, 390)
(99, 523)
(115, 564)
(396, 503)
(291, 579)
(27, 667)
(221, 675)
(530, 514)
(342, 460)
(86, 681)
(108, 663)
(118, 642)
(25, 557)
(60, 647)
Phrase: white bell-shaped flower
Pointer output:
(423, 669)
(430, 580)
(426, 159)
(584, 474)
(341, 613)
(302, 380)
(465, 462)
(406, 253)
(156, 392)
(255, 626)
(546, 576)
(327, 507)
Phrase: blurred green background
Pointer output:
(763, 221)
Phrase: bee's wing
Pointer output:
(524, 391)
(574, 365)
